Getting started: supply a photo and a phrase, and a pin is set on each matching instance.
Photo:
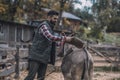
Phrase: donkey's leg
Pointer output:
(86, 76)
(77, 71)
(66, 68)
(89, 72)
(67, 76)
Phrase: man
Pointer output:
(42, 50)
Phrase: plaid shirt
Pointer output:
(50, 36)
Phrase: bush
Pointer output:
(114, 25)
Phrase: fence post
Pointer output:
(29, 46)
(17, 70)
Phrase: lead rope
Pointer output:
(61, 50)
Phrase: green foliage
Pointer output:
(9, 9)
(114, 25)
(96, 33)
(116, 79)
(3, 10)
(81, 32)
(107, 68)
(18, 9)
(105, 17)
(110, 38)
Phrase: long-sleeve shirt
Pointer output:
(50, 36)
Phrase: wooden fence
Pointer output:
(15, 60)
(109, 54)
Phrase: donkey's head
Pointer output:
(76, 42)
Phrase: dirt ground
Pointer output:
(59, 76)
(98, 75)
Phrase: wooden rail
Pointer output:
(110, 54)
(19, 63)
(15, 68)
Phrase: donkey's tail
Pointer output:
(86, 65)
(83, 72)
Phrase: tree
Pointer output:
(9, 9)
(3, 10)
(103, 11)
(23, 10)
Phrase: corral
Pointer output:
(13, 56)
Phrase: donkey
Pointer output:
(77, 63)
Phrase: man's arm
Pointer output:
(49, 35)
